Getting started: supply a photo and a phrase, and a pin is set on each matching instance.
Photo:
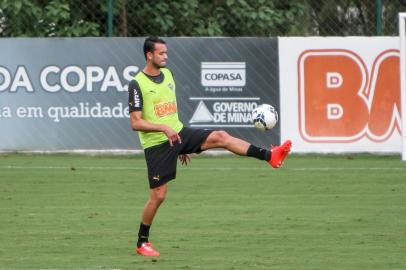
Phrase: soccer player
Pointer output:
(154, 114)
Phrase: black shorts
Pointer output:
(162, 159)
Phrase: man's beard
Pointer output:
(157, 65)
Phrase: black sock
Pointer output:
(143, 234)
(259, 153)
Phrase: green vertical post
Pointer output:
(378, 4)
(110, 18)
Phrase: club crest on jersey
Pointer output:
(171, 87)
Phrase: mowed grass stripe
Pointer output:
(258, 218)
(200, 169)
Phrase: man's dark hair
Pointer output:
(149, 44)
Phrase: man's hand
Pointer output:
(139, 124)
(172, 135)
(185, 159)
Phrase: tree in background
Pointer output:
(75, 18)
(340, 18)
(211, 18)
(55, 18)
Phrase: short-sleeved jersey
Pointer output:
(155, 96)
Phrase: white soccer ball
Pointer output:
(264, 117)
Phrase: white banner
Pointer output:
(340, 94)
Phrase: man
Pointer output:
(154, 114)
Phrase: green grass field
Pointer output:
(318, 212)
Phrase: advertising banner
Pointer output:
(221, 80)
(340, 94)
(69, 94)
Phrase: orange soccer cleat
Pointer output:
(279, 153)
(146, 250)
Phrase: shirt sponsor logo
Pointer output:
(164, 109)
(137, 102)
